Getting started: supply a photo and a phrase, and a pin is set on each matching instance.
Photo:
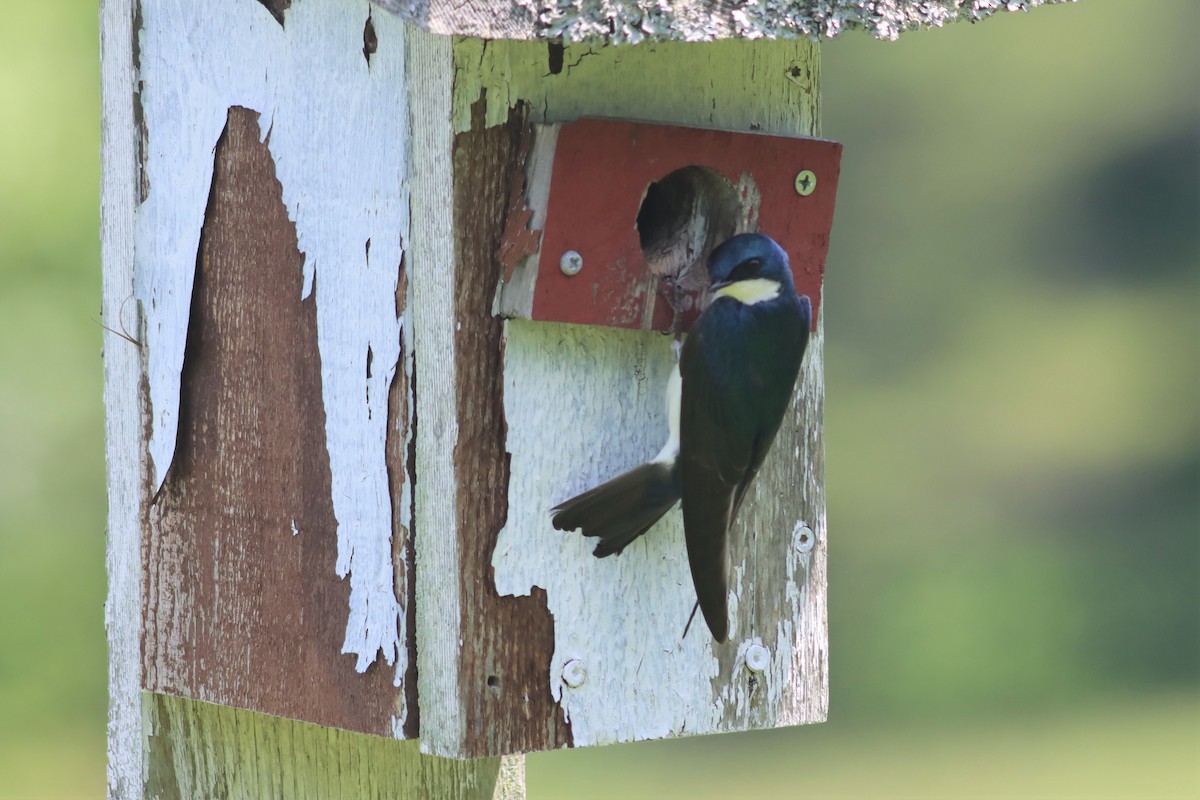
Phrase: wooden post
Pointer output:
(332, 448)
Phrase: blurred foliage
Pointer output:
(1120, 750)
(52, 654)
(1012, 428)
(1012, 362)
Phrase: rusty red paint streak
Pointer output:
(601, 171)
(518, 240)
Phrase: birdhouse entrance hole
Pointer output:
(682, 217)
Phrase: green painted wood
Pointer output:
(202, 750)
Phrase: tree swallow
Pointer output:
(726, 400)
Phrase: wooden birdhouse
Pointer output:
(383, 284)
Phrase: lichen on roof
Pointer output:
(634, 21)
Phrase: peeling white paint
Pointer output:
(123, 424)
(806, 565)
(622, 616)
(337, 130)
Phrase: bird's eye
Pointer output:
(746, 269)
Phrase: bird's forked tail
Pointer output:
(622, 509)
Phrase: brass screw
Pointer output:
(806, 182)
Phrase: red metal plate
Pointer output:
(600, 174)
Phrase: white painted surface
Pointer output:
(619, 620)
(338, 133)
(439, 597)
(674, 398)
(123, 409)
(620, 617)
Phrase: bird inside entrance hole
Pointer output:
(726, 398)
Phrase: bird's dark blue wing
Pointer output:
(715, 454)
(621, 509)
(738, 366)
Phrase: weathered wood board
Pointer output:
(242, 601)
(269, 251)
(124, 423)
(619, 621)
(507, 417)
(257, 375)
(200, 750)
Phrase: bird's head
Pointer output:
(749, 267)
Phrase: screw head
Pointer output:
(805, 538)
(570, 263)
(806, 182)
(574, 673)
(758, 658)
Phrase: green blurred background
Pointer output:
(1013, 360)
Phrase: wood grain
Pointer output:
(124, 402)
(200, 750)
(502, 676)
(339, 137)
(242, 603)
(431, 259)
(483, 658)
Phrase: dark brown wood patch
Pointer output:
(401, 466)
(277, 7)
(505, 688)
(242, 603)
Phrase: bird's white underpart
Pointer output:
(670, 450)
(749, 292)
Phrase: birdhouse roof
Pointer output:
(634, 21)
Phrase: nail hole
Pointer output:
(493, 682)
